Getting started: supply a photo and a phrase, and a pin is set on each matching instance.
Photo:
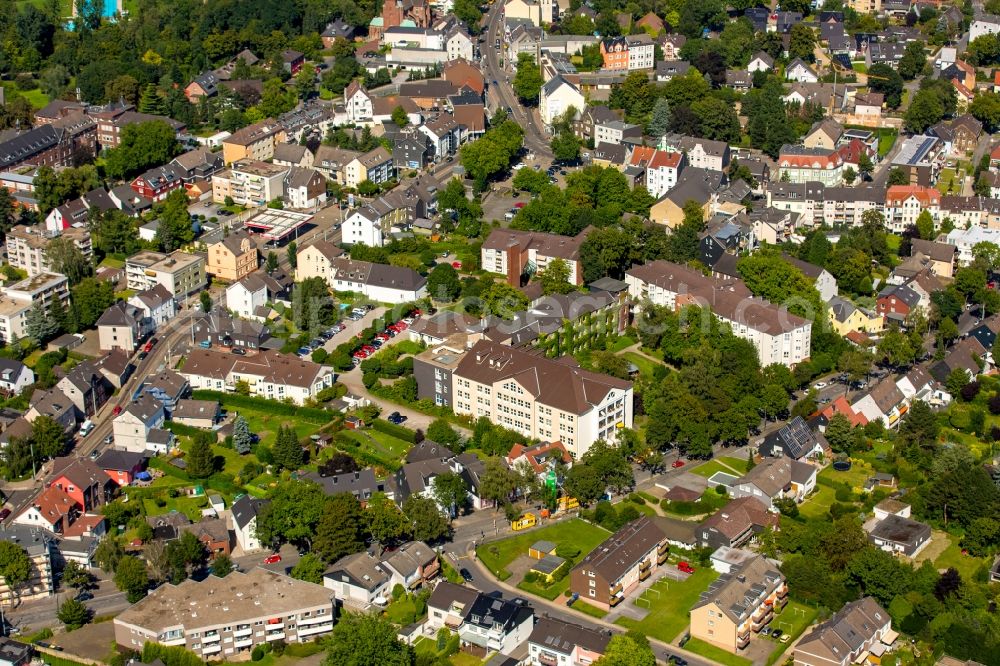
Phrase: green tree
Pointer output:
(504, 301)
(802, 42)
(497, 482)
(451, 491)
(287, 450)
(386, 523)
(443, 283)
(659, 121)
(886, 80)
(424, 519)
(142, 146)
(64, 256)
(39, 326)
(361, 639)
(48, 436)
(341, 529)
(913, 61)
(565, 146)
(76, 576)
(15, 565)
(528, 80)
(310, 569)
(205, 299)
(956, 380)
(292, 253)
(627, 650)
(73, 614)
(555, 278)
(840, 433)
(222, 565)
(132, 578)
(925, 225)
(717, 119)
(175, 227)
(292, 515)
(985, 107)
(200, 459)
(926, 108)
(271, 263)
(242, 437)
(108, 553)
(400, 117)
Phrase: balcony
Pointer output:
(644, 574)
(615, 590)
(645, 565)
(782, 592)
(211, 649)
(660, 559)
(314, 629)
(315, 619)
(246, 642)
(547, 660)
(663, 548)
(742, 641)
(615, 601)
(243, 632)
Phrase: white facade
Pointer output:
(459, 45)
(159, 314)
(243, 302)
(539, 12)
(359, 106)
(984, 25)
(131, 430)
(640, 54)
(556, 97)
(359, 228)
(965, 239)
(15, 376)
(510, 404)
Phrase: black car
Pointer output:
(84, 596)
(143, 355)
(238, 351)
(396, 418)
(466, 576)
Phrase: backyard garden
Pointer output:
(669, 603)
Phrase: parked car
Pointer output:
(685, 567)
(4, 514)
(109, 439)
(466, 576)
(677, 463)
(272, 559)
(396, 418)
(304, 351)
(238, 351)
(95, 453)
(117, 410)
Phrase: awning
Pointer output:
(890, 637)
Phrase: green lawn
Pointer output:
(36, 97)
(621, 343)
(670, 603)
(707, 469)
(793, 619)
(893, 241)
(111, 262)
(887, 136)
(855, 477)
(464, 659)
(498, 554)
(587, 609)
(952, 557)
(718, 655)
(646, 366)
(736, 463)
(819, 503)
(383, 447)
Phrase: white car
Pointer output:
(819, 385)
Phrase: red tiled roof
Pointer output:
(897, 194)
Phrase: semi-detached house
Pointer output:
(379, 282)
(541, 398)
(859, 627)
(778, 335)
(268, 373)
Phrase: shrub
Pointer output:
(568, 551)
(396, 431)
(970, 391)
(838, 510)
(531, 577)
(994, 404)
(636, 499)
(398, 591)
(844, 494)
(721, 489)
(257, 654)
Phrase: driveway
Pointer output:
(353, 328)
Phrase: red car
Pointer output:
(369, 349)
(416, 313)
(685, 567)
(401, 326)
(677, 463)
(456, 265)
(519, 204)
(272, 559)
(117, 410)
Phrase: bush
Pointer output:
(721, 490)
(637, 499)
(844, 494)
(257, 654)
(398, 591)
(970, 391)
(396, 431)
(568, 551)
(838, 510)
(531, 577)
(994, 404)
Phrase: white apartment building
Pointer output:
(358, 103)
(641, 50)
(225, 618)
(249, 183)
(539, 397)
(269, 374)
(904, 203)
(179, 272)
(26, 246)
(17, 300)
(778, 336)
(966, 239)
(662, 168)
(558, 95)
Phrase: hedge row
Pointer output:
(397, 431)
(181, 429)
(265, 406)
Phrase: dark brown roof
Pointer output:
(936, 251)
(623, 549)
(553, 383)
(739, 515)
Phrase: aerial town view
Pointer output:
(522, 333)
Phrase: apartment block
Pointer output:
(860, 627)
(234, 257)
(224, 618)
(181, 273)
(778, 335)
(541, 398)
(249, 183)
(39, 545)
(253, 142)
(738, 604)
(523, 253)
(557, 643)
(610, 572)
(269, 374)
(17, 300)
(26, 246)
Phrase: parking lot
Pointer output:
(353, 328)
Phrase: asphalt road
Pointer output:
(502, 93)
